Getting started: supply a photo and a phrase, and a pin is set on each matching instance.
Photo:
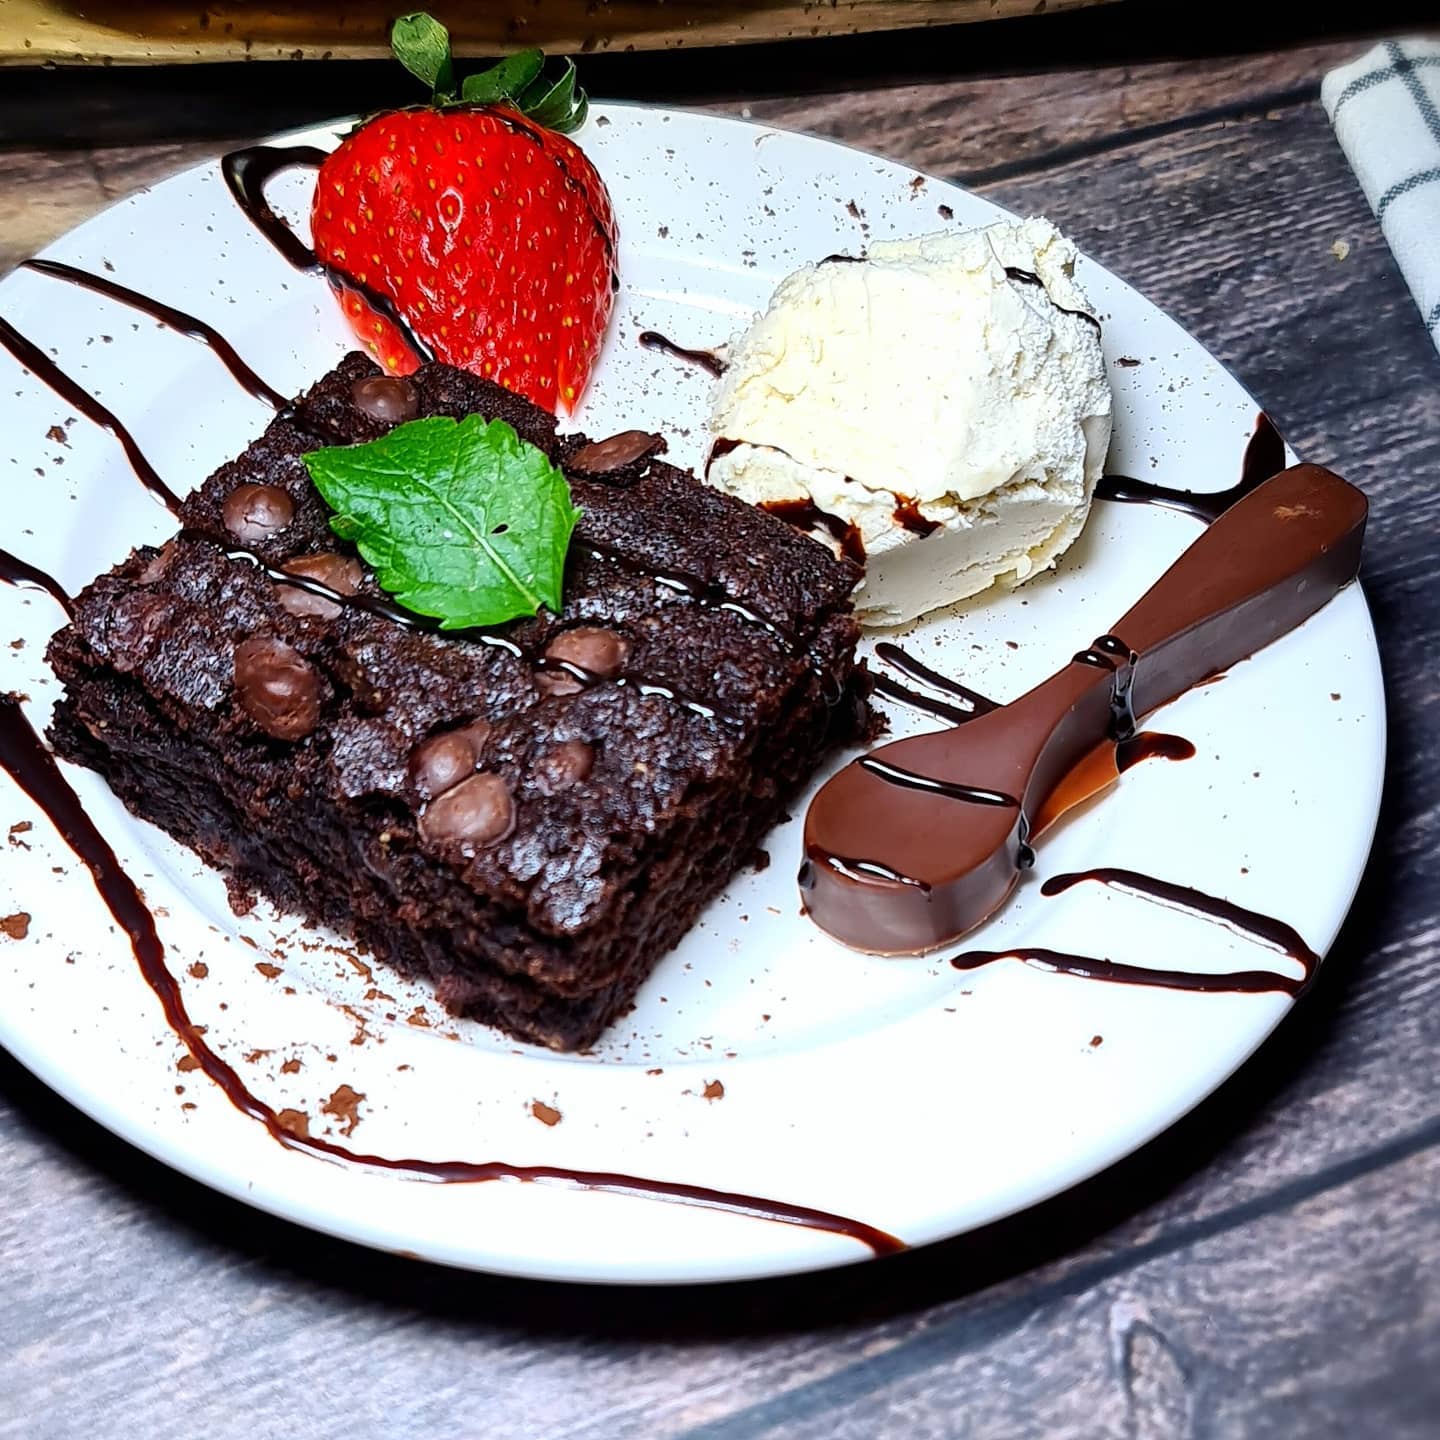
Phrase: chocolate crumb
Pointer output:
(187, 1063)
(344, 1105)
(297, 1122)
(290, 1067)
(269, 971)
(1096, 1041)
(1128, 361)
(714, 1090)
(545, 1114)
(199, 970)
(946, 213)
(16, 926)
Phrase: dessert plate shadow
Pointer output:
(763, 1058)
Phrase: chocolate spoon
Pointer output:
(922, 839)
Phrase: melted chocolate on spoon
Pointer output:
(1264, 457)
(706, 359)
(1264, 567)
(24, 757)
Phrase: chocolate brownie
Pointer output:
(528, 816)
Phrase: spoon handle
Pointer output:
(1268, 563)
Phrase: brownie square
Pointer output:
(528, 816)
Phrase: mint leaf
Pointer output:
(463, 521)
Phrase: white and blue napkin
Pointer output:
(1385, 108)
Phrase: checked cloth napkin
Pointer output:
(1385, 108)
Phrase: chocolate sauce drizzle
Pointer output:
(1273, 933)
(974, 703)
(1151, 745)
(806, 515)
(45, 370)
(1264, 457)
(1029, 277)
(18, 572)
(247, 172)
(913, 780)
(888, 689)
(695, 586)
(908, 517)
(187, 325)
(386, 610)
(706, 359)
(24, 757)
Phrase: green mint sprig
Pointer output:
(463, 521)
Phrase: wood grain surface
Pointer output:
(149, 31)
(1268, 1267)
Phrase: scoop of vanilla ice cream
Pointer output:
(956, 416)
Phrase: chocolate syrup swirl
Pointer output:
(46, 370)
(706, 359)
(167, 315)
(1275, 934)
(1029, 277)
(24, 757)
(247, 172)
(18, 572)
(1264, 457)
(974, 703)
(913, 780)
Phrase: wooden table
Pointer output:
(1271, 1266)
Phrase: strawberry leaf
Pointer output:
(550, 103)
(503, 81)
(422, 45)
(462, 521)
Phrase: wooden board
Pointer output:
(117, 32)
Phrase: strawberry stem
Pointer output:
(422, 45)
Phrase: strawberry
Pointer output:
(477, 222)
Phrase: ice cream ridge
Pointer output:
(938, 409)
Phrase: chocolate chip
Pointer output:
(277, 687)
(476, 812)
(256, 512)
(600, 652)
(441, 763)
(558, 682)
(563, 765)
(602, 456)
(135, 627)
(336, 571)
(390, 398)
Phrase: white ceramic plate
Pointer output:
(902, 1093)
